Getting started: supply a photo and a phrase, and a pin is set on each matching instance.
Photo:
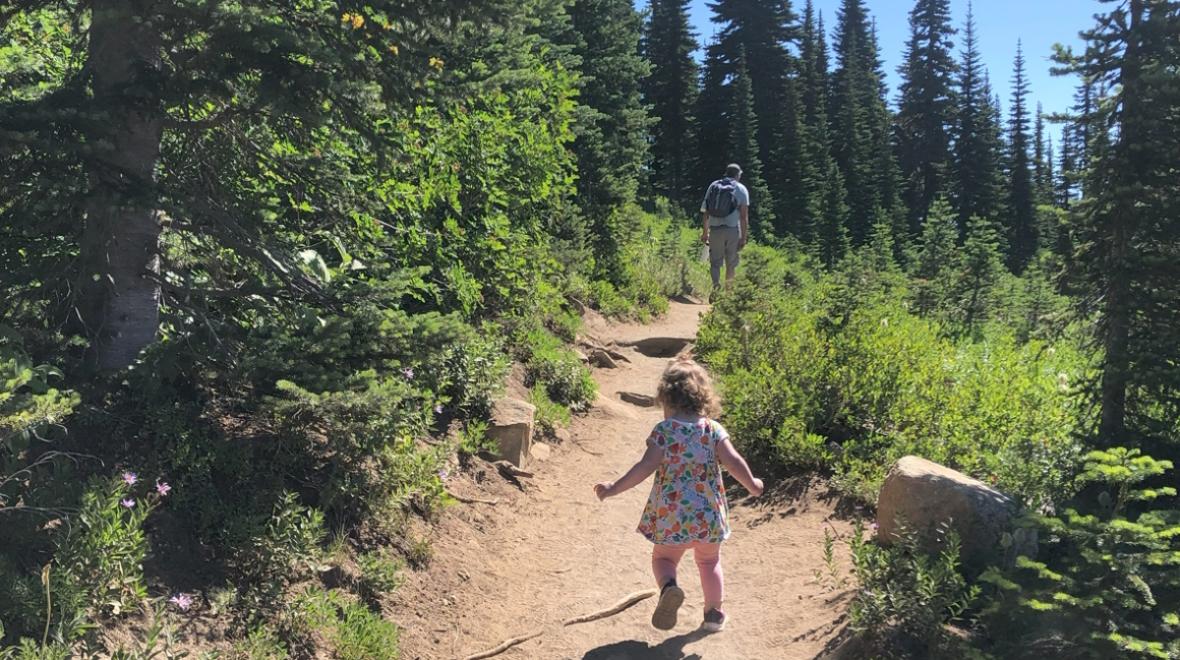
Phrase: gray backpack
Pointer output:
(721, 199)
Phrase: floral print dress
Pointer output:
(687, 501)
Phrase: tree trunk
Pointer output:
(116, 304)
(1116, 366)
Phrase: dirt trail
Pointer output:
(553, 551)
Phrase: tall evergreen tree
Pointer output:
(1128, 222)
(671, 91)
(611, 132)
(926, 109)
(1022, 234)
(1063, 190)
(860, 125)
(713, 120)
(765, 31)
(978, 180)
(1042, 160)
(795, 208)
(743, 145)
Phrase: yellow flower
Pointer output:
(357, 20)
(393, 49)
(436, 63)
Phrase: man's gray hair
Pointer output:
(733, 170)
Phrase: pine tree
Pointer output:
(743, 144)
(1042, 160)
(796, 209)
(714, 109)
(981, 264)
(827, 207)
(611, 142)
(978, 186)
(1022, 234)
(860, 125)
(765, 30)
(1063, 192)
(1128, 222)
(933, 261)
(671, 91)
(926, 109)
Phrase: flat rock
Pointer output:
(926, 497)
(600, 358)
(636, 399)
(660, 347)
(540, 452)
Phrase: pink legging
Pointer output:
(665, 558)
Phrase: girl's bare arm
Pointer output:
(737, 466)
(635, 476)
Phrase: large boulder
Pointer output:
(512, 428)
(926, 497)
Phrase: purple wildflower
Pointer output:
(162, 488)
(182, 601)
(443, 474)
(130, 478)
(438, 409)
(128, 503)
(408, 373)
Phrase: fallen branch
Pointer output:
(613, 610)
(470, 500)
(504, 646)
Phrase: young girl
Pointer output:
(686, 509)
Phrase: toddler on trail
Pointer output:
(687, 509)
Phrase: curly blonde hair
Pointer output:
(687, 386)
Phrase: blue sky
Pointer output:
(1000, 23)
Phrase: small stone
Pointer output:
(602, 359)
(562, 435)
(582, 356)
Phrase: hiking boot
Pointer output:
(714, 621)
(671, 598)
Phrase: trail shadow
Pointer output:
(669, 649)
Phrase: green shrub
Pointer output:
(474, 438)
(277, 552)
(380, 572)
(550, 416)
(260, 644)
(352, 631)
(558, 370)
(834, 372)
(1109, 581)
(906, 595)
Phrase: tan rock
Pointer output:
(922, 496)
(636, 399)
(511, 427)
(540, 452)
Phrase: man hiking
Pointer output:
(725, 215)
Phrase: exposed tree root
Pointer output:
(470, 500)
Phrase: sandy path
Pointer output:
(554, 551)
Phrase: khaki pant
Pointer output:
(723, 248)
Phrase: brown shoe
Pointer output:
(671, 598)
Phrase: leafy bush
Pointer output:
(277, 553)
(1109, 583)
(833, 372)
(550, 416)
(380, 572)
(906, 596)
(558, 370)
(352, 631)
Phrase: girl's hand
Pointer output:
(602, 490)
(758, 487)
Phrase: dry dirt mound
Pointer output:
(551, 551)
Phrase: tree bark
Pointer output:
(1116, 366)
(116, 306)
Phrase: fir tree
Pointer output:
(1126, 224)
(926, 108)
(1063, 191)
(860, 125)
(981, 264)
(714, 108)
(611, 142)
(933, 261)
(796, 210)
(1022, 234)
(827, 200)
(743, 145)
(1042, 160)
(978, 185)
(764, 30)
(671, 91)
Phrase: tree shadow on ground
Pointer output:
(669, 649)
